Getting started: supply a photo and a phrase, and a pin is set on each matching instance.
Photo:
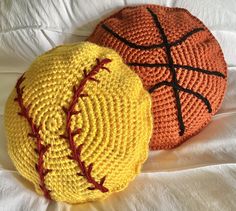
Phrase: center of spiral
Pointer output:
(54, 122)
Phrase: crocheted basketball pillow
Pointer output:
(179, 61)
(78, 123)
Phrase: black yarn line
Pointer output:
(199, 96)
(149, 47)
(147, 65)
(179, 112)
(131, 44)
(185, 37)
(180, 88)
(196, 69)
(172, 69)
(158, 85)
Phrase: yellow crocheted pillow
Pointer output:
(78, 123)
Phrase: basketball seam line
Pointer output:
(186, 67)
(172, 70)
(149, 47)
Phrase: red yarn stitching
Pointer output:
(70, 111)
(41, 149)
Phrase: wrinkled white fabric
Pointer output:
(198, 175)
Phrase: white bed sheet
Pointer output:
(198, 175)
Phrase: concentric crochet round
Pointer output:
(78, 123)
(179, 61)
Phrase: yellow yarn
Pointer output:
(115, 121)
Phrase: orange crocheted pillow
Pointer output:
(179, 62)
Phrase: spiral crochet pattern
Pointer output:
(179, 61)
(78, 123)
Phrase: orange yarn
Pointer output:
(179, 62)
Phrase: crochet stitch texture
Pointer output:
(179, 61)
(78, 123)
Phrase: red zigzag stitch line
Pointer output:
(69, 135)
(40, 148)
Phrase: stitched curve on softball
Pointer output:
(40, 149)
(78, 92)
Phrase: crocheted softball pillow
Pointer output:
(179, 61)
(78, 123)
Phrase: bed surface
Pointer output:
(198, 175)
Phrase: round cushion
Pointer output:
(78, 123)
(179, 61)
